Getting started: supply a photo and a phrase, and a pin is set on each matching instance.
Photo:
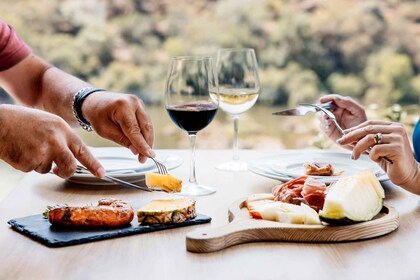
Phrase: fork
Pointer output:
(160, 166)
(331, 116)
(162, 170)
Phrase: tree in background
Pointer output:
(365, 49)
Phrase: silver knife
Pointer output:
(303, 110)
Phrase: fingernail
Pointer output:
(100, 172)
(340, 140)
(151, 153)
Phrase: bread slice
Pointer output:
(167, 182)
(167, 211)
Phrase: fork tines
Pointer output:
(161, 167)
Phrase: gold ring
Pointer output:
(378, 138)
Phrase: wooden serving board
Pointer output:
(243, 229)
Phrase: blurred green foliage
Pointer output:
(369, 50)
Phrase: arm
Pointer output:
(118, 117)
(37, 84)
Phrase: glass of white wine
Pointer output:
(239, 87)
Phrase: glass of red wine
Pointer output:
(192, 100)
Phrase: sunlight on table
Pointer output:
(10, 178)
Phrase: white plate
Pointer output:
(289, 165)
(122, 164)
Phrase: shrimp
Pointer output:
(109, 213)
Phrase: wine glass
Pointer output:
(191, 80)
(239, 87)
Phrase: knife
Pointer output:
(303, 110)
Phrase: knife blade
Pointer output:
(303, 110)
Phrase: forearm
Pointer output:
(36, 83)
(58, 90)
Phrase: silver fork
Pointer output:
(331, 116)
(162, 170)
(160, 166)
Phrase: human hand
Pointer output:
(121, 118)
(31, 139)
(348, 113)
(394, 145)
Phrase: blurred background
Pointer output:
(369, 50)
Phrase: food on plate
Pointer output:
(167, 211)
(305, 200)
(302, 189)
(316, 169)
(109, 212)
(269, 209)
(352, 199)
(167, 182)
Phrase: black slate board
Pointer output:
(40, 229)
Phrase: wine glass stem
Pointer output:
(235, 137)
(192, 159)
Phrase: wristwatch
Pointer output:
(78, 99)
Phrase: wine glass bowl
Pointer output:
(239, 88)
(191, 80)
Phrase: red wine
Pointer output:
(192, 117)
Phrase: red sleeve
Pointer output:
(12, 48)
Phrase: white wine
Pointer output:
(236, 101)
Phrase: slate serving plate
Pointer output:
(40, 229)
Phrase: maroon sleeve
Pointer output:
(12, 48)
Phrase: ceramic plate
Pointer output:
(122, 164)
(289, 165)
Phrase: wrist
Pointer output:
(78, 99)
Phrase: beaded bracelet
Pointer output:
(78, 99)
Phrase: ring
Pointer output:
(378, 138)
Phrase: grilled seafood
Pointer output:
(316, 169)
(109, 213)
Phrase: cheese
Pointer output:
(354, 198)
(167, 211)
(167, 182)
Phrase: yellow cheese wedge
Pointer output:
(167, 181)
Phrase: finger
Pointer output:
(142, 158)
(330, 97)
(146, 125)
(115, 134)
(379, 152)
(356, 135)
(85, 157)
(367, 123)
(364, 145)
(65, 164)
(133, 132)
(346, 102)
(44, 168)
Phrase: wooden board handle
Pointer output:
(242, 229)
(206, 240)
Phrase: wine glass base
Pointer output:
(234, 165)
(196, 190)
